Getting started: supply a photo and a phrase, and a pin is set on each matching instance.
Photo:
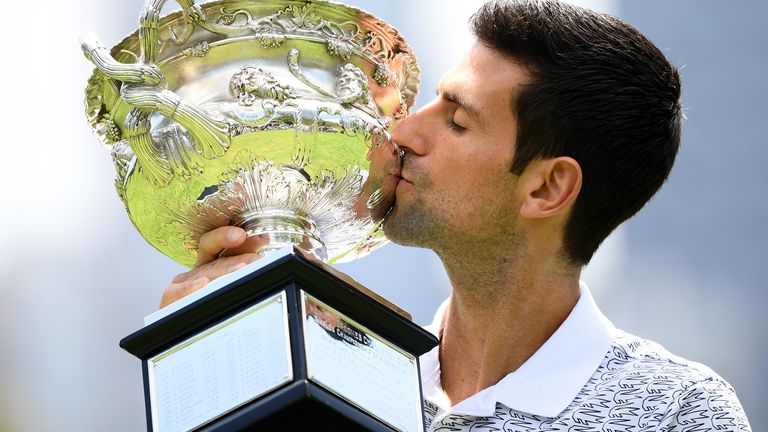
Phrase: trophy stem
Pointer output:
(283, 228)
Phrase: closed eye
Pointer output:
(460, 102)
(455, 126)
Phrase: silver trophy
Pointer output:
(272, 116)
(268, 115)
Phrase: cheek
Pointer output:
(458, 188)
(473, 168)
(467, 164)
(478, 182)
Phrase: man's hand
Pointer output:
(220, 251)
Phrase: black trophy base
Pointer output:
(301, 402)
(300, 406)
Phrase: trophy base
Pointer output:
(291, 345)
(300, 406)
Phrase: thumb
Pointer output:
(213, 242)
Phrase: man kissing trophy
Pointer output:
(272, 116)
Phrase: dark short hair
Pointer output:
(601, 93)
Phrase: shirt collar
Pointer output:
(548, 381)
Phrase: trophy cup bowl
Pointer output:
(269, 115)
(273, 116)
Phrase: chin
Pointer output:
(394, 229)
(406, 230)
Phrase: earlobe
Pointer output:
(552, 187)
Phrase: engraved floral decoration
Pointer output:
(271, 30)
(109, 129)
(199, 50)
(381, 74)
(304, 17)
(98, 91)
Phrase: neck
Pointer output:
(503, 308)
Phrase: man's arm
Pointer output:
(220, 251)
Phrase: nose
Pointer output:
(409, 133)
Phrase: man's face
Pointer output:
(456, 186)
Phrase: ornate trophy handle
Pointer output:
(150, 19)
(98, 54)
(144, 89)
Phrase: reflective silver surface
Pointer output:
(361, 367)
(269, 115)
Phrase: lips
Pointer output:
(406, 177)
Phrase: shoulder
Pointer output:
(711, 404)
(641, 378)
(632, 356)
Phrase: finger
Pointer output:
(251, 245)
(176, 291)
(219, 267)
(213, 242)
(215, 268)
(222, 266)
(189, 282)
(182, 277)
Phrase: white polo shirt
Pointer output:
(589, 376)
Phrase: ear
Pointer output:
(551, 187)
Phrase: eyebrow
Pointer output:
(459, 99)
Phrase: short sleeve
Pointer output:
(709, 405)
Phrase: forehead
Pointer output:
(486, 78)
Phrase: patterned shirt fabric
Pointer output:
(589, 376)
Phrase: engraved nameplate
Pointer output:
(221, 368)
(361, 367)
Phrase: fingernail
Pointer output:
(233, 234)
